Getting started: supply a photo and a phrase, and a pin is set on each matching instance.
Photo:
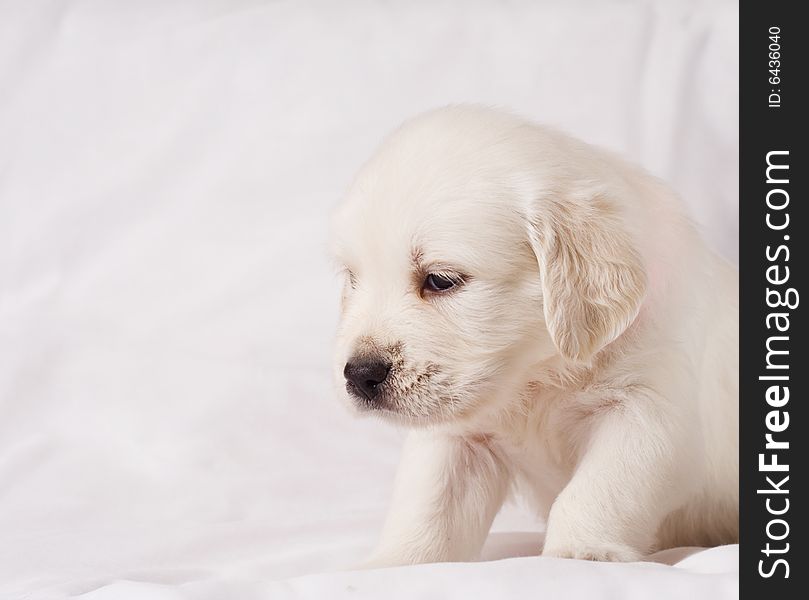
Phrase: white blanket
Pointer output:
(167, 425)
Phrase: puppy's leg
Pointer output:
(447, 492)
(628, 480)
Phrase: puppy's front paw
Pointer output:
(383, 561)
(374, 563)
(600, 552)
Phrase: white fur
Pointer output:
(589, 361)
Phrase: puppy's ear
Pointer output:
(593, 281)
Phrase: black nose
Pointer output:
(365, 375)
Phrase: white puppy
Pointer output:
(547, 320)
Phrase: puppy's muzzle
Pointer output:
(364, 376)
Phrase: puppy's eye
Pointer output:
(352, 279)
(439, 283)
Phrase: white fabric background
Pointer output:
(167, 426)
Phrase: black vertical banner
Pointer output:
(774, 42)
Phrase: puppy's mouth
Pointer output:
(371, 397)
(362, 399)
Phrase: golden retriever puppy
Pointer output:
(548, 322)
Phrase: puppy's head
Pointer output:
(468, 257)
